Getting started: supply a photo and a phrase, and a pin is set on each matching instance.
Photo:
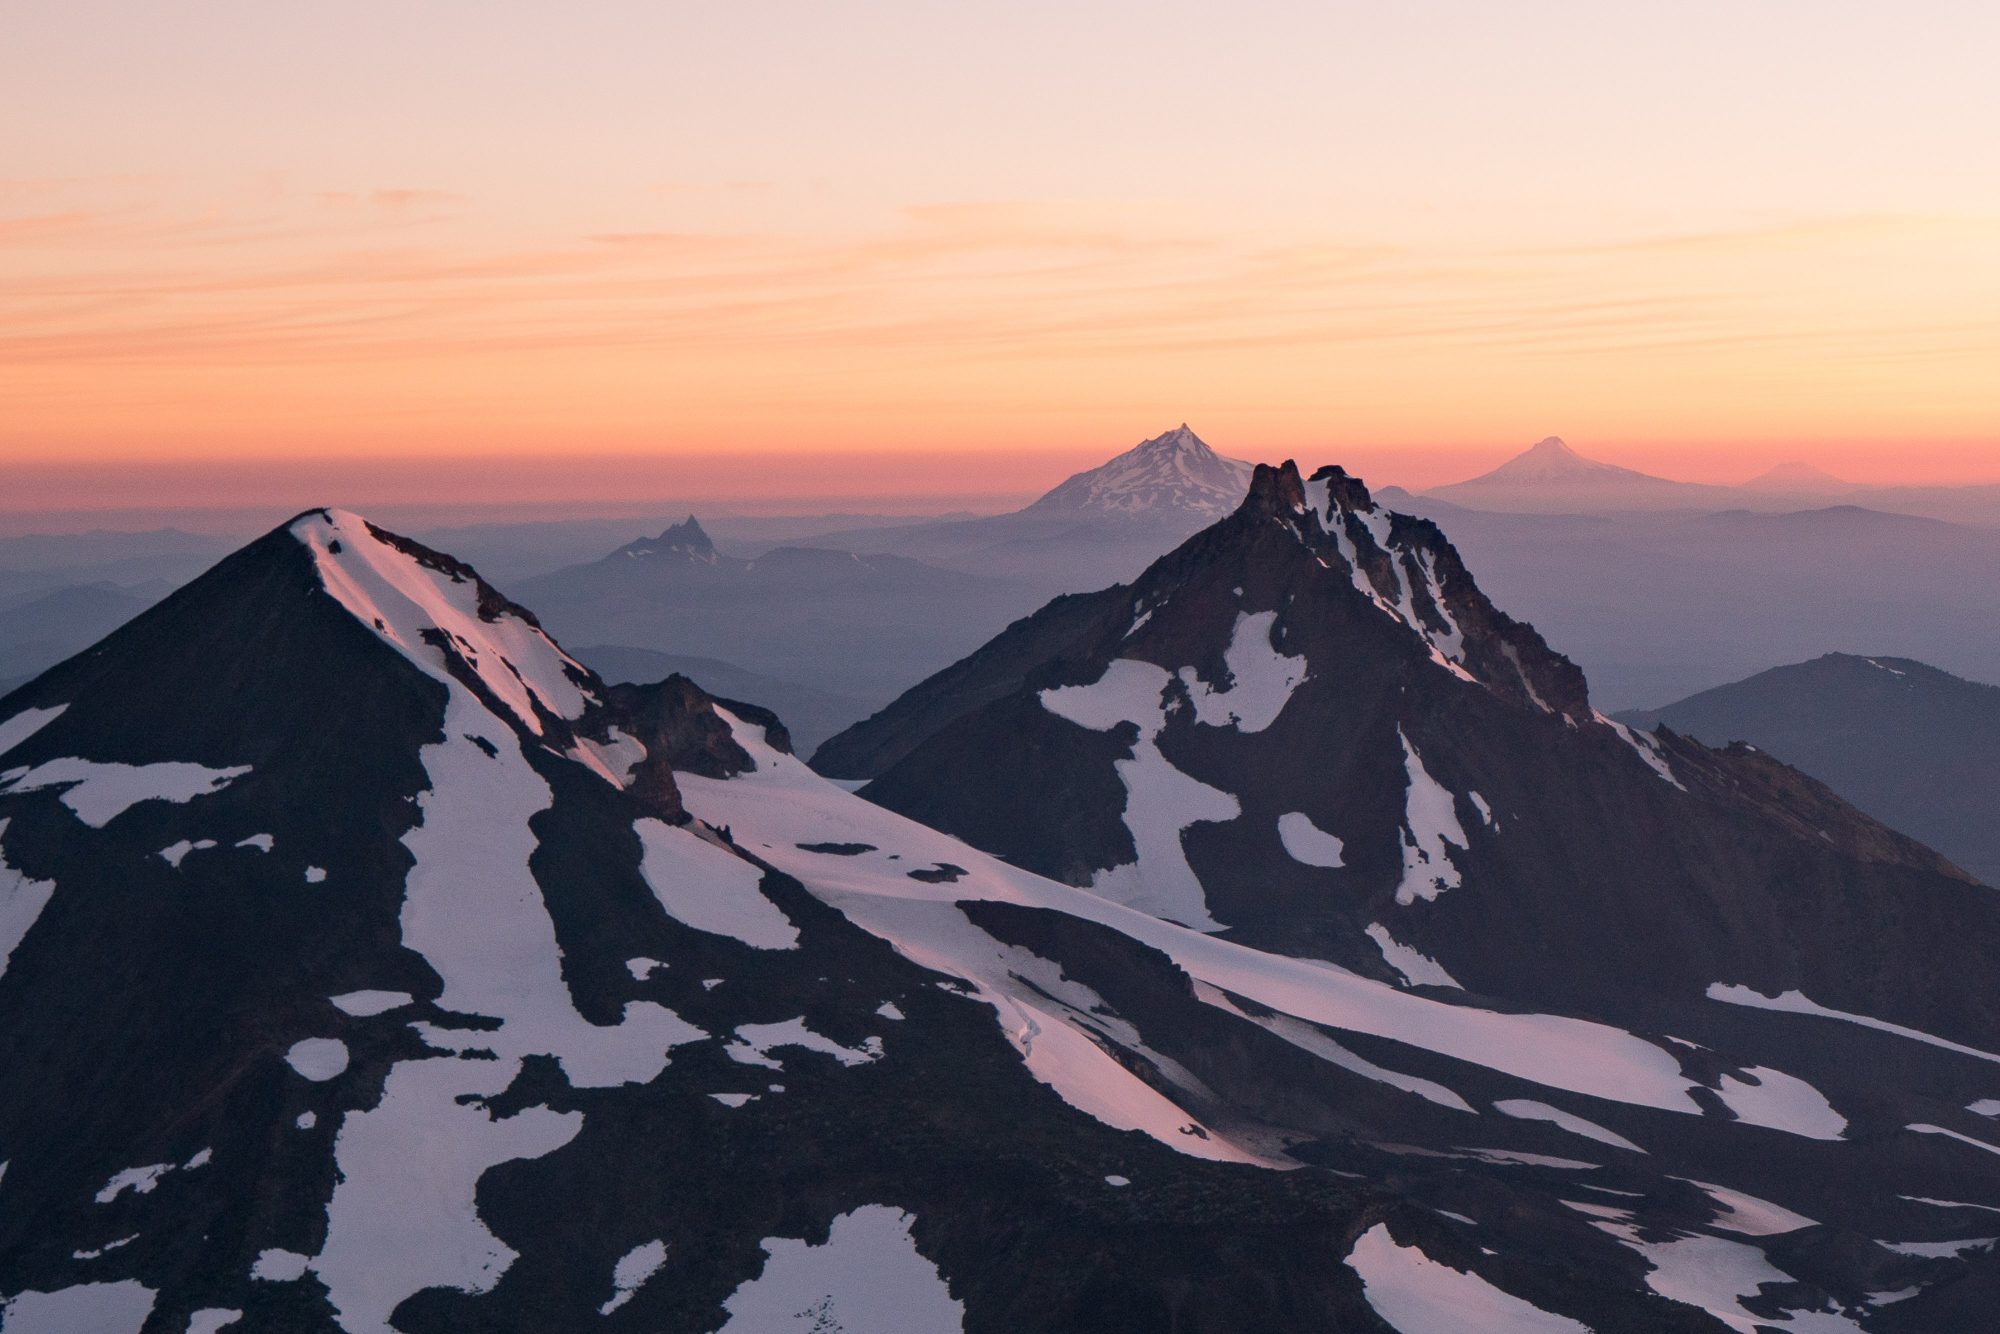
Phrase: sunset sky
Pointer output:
(957, 248)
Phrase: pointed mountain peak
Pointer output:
(1181, 437)
(1551, 459)
(687, 533)
(1173, 472)
(686, 538)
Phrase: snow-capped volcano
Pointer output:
(1549, 476)
(1552, 460)
(1176, 471)
(368, 964)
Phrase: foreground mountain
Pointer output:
(858, 625)
(1917, 748)
(1315, 672)
(367, 963)
(1308, 731)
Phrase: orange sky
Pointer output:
(958, 248)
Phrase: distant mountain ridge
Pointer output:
(857, 626)
(1915, 747)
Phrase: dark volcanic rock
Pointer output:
(366, 963)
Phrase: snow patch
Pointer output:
(363, 1004)
(1161, 802)
(1309, 1039)
(315, 875)
(138, 1180)
(1418, 969)
(261, 842)
(210, 1319)
(631, 1272)
(1713, 1274)
(1430, 831)
(755, 1042)
(1750, 1216)
(1308, 844)
(1938, 1250)
(21, 902)
(317, 1059)
(25, 724)
(1953, 1134)
(1782, 1102)
(711, 889)
(1796, 1002)
(1527, 1109)
(473, 909)
(1414, 1294)
(402, 1217)
(99, 793)
(86, 1308)
(1262, 679)
(280, 1266)
(175, 853)
(867, 1276)
(1645, 746)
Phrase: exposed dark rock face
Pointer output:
(366, 963)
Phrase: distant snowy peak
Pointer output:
(1550, 476)
(1552, 460)
(685, 539)
(1172, 473)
